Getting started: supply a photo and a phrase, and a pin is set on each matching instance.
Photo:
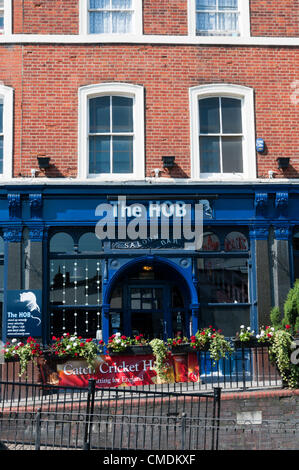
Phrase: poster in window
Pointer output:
(23, 313)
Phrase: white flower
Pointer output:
(258, 336)
(242, 326)
(118, 340)
(248, 328)
(68, 347)
(117, 334)
(73, 338)
(14, 340)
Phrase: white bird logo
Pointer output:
(31, 304)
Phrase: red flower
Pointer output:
(288, 327)
(123, 337)
(54, 338)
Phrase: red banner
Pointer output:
(126, 371)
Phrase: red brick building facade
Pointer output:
(55, 56)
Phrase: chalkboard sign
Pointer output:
(23, 313)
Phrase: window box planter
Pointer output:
(252, 343)
(133, 350)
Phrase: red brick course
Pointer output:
(46, 79)
(268, 17)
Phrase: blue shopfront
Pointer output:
(157, 284)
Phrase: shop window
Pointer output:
(1, 281)
(111, 16)
(235, 241)
(296, 255)
(112, 126)
(75, 284)
(219, 17)
(224, 282)
(210, 242)
(222, 123)
(6, 123)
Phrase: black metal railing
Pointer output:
(37, 416)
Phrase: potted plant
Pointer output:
(140, 345)
(118, 344)
(219, 347)
(23, 352)
(266, 335)
(179, 345)
(75, 347)
(245, 338)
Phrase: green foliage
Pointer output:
(161, 353)
(275, 317)
(280, 352)
(291, 308)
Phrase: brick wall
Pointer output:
(275, 413)
(268, 17)
(46, 79)
(273, 18)
(45, 16)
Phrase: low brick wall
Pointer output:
(260, 420)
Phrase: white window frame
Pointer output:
(246, 96)
(7, 10)
(244, 20)
(112, 89)
(137, 27)
(6, 96)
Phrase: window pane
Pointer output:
(99, 114)
(1, 117)
(228, 4)
(99, 22)
(1, 20)
(99, 4)
(227, 22)
(223, 280)
(61, 243)
(121, 22)
(99, 154)
(232, 158)
(226, 319)
(89, 242)
(122, 114)
(235, 241)
(296, 242)
(121, 4)
(209, 155)
(122, 154)
(1, 154)
(206, 22)
(205, 4)
(209, 116)
(231, 116)
(75, 281)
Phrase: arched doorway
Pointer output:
(149, 297)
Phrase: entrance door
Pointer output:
(148, 310)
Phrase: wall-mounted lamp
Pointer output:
(168, 161)
(43, 162)
(283, 162)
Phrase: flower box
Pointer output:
(251, 343)
(132, 350)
